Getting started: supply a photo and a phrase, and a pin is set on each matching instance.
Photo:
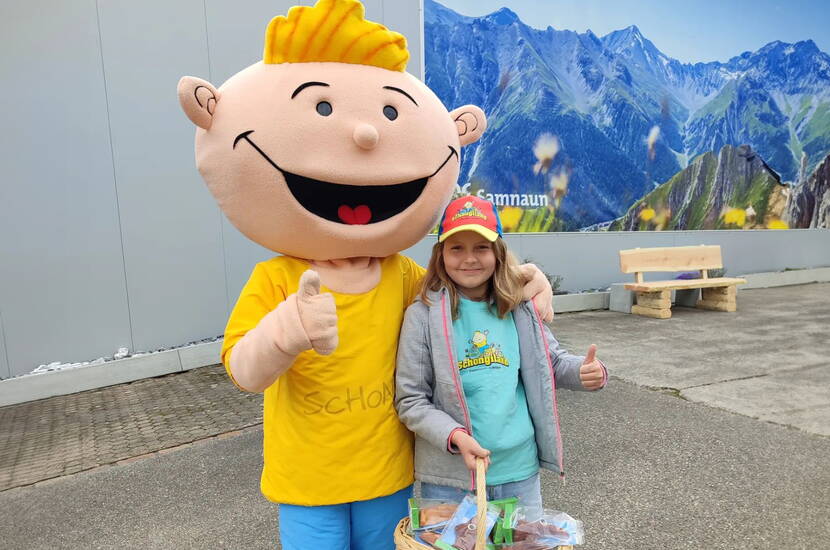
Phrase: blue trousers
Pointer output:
(365, 525)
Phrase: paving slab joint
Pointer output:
(674, 392)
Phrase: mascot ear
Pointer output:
(471, 123)
(198, 100)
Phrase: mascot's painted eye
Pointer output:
(324, 108)
(390, 112)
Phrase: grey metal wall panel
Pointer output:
(760, 251)
(788, 254)
(421, 251)
(236, 33)
(62, 285)
(5, 372)
(241, 254)
(374, 10)
(816, 252)
(407, 18)
(741, 253)
(582, 260)
(171, 227)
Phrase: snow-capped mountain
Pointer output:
(602, 97)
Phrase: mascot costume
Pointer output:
(328, 153)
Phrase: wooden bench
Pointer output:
(654, 297)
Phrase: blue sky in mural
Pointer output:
(690, 31)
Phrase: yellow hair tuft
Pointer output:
(333, 31)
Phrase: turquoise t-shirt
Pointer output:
(487, 352)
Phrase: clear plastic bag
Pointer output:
(460, 532)
(430, 514)
(427, 537)
(527, 545)
(553, 529)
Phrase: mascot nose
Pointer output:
(366, 136)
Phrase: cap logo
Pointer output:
(469, 211)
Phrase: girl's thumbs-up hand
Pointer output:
(591, 373)
(318, 313)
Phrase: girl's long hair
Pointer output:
(504, 291)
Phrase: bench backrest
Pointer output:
(674, 258)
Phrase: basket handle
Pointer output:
(481, 503)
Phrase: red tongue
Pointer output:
(357, 216)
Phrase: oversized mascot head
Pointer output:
(327, 149)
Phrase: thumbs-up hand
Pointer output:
(591, 373)
(318, 314)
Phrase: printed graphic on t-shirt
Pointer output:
(482, 353)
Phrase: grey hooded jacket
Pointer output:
(430, 400)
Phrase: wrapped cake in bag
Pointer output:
(461, 531)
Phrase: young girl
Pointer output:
(477, 369)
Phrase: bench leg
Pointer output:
(653, 304)
(721, 298)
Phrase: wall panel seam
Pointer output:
(5, 349)
(207, 43)
(422, 69)
(114, 175)
(225, 265)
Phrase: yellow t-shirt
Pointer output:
(331, 434)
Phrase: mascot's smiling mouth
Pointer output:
(350, 204)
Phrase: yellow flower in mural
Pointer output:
(735, 216)
(777, 224)
(647, 214)
(510, 216)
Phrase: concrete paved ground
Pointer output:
(70, 433)
(656, 460)
(645, 470)
(770, 360)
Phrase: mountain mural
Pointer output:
(809, 204)
(604, 97)
(734, 189)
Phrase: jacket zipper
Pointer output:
(454, 371)
(553, 392)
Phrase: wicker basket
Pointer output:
(405, 541)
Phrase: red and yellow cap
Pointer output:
(470, 213)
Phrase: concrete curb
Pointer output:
(586, 301)
(63, 382)
(786, 278)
